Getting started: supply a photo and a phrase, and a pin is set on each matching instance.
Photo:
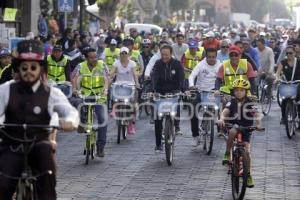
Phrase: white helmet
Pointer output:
(146, 41)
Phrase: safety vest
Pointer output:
(230, 74)
(137, 42)
(110, 56)
(135, 54)
(92, 81)
(3, 69)
(56, 70)
(192, 61)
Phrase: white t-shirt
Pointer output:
(125, 74)
(206, 75)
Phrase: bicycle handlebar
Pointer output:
(250, 128)
(289, 82)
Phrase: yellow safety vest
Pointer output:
(3, 69)
(110, 57)
(56, 70)
(230, 74)
(135, 54)
(192, 61)
(92, 81)
(137, 42)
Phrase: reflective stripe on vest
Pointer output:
(230, 74)
(92, 82)
(192, 61)
(110, 57)
(56, 70)
(2, 70)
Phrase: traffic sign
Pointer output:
(65, 5)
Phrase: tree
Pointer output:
(107, 11)
(176, 5)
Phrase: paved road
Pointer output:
(131, 170)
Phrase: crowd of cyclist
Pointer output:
(226, 61)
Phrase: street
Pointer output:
(132, 170)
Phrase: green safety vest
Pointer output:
(56, 70)
(192, 61)
(135, 54)
(230, 74)
(110, 57)
(92, 81)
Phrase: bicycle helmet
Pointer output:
(146, 41)
(241, 83)
(128, 41)
(4, 52)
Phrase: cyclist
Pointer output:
(240, 111)
(92, 75)
(31, 101)
(146, 54)
(205, 73)
(6, 71)
(111, 53)
(290, 68)
(179, 47)
(124, 70)
(134, 54)
(167, 77)
(234, 68)
(59, 68)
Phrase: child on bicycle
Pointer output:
(240, 111)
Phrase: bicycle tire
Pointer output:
(238, 192)
(169, 146)
(278, 99)
(289, 119)
(208, 136)
(119, 132)
(88, 149)
(148, 109)
(265, 102)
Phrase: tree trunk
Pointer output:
(107, 13)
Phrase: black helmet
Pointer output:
(30, 50)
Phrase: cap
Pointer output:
(57, 47)
(30, 50)
(224, 35)
(164, 34)
(234, 49)
(124, 49)
(262, 34)
(210, 34)
(113, 41)
(193, 44)
(5, 52)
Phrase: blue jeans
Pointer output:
(101, 114)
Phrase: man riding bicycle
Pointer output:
(30, 101)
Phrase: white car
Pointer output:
(147, 28)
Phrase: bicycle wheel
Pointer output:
(290, 115)
(124, 131)
(119, 132)
(148, 109)
(279, 101)
(208, 134)
(87, 149)
(265, 102)
(169, 140)
(239, 174)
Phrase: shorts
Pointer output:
(246, 135)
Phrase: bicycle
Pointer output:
(210, 110)
(239, 165)
(288, 92)
(144, 102)
(90, 129)
(26, 187)
(123, 97)
(265, 99)
(166, 106)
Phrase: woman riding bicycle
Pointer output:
(242, 112)
(124, 70)
(290, 69)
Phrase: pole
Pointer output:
(81, 6)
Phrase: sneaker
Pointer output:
(100, 152)
(196, 141)
(226, 158)
(250, 181)
(131, 128)
(158, 149)
(178, 131)
(80, 129)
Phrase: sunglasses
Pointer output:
(25, 68)
(124, 53)
(233, 55)
(289, 53)
(225, 47)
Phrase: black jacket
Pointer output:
(168, 77)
